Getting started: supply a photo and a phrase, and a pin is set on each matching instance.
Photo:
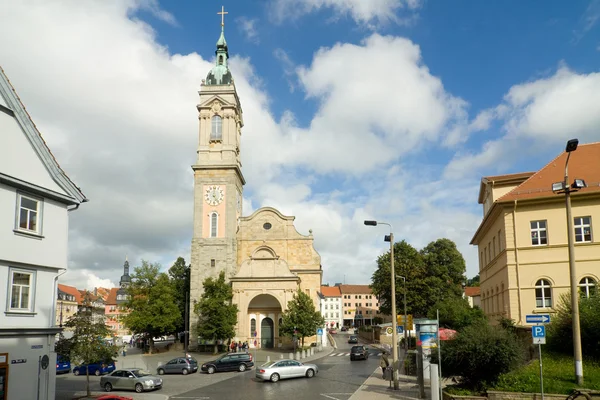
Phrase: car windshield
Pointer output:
(140, 372)
(357, 348)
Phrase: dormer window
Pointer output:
(216, 133)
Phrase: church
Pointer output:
(264, 257)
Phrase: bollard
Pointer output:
(434, 381)
(268, 358)
(291, 356)
(320, 348)
(303, 354)
(281, 356)
(297, 355)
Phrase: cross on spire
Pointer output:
(222, 14)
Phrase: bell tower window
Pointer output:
(216, 132)
(214, 220)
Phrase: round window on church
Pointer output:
(267, 225)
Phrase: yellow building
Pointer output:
(522, 240)
(264, 257)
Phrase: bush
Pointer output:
(479, 354)
(560, 332)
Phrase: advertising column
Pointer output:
(426, 335)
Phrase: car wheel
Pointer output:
(351, 358)
(108, 387)
(211, 370)
(97, 372)
(76, 372)
(274, 377)
(242, 367)
(139, 388)
(310, 373)
(185, 371)
(161, 371)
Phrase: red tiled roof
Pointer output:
(508, 177)
(583, 164)
(72, 291)
(331, 291)
(472, 291)
(103, 292)
(111, 299)
(355, 289)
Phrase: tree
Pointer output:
(457, 314)
(474, 281)
(301, 317)
(151, 301)
(217, 316)
(180, 279)
(87, 345)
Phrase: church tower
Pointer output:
(218, 179)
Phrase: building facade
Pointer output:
(263, 255)
(115, 305)
(522, 239)
(360, 305)
(331, 307)
(67, 303)
(35, 199)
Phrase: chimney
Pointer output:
(96, 291)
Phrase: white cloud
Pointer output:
(368, 13)
(289, 68)
(248, 27)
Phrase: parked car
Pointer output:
(229, 362)
(353, 339)
(97, 369)
(344, 329)
(180, 365)
(131, 379)
(332, 331)
(284, 369)
(63, 365)
(359, 352)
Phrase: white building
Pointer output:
(331, 306)
(35, 199)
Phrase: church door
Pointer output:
(266, 333)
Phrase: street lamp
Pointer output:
(559, 188)
(390, 238)
(405, 315)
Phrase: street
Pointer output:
(338, 379)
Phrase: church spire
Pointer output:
(220, 74)
(125, 278)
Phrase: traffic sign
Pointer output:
(400, 329)
(538, 333)
(537, 318)
(409, 321)
(320, 331)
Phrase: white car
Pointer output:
(283, 369)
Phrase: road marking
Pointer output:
(337, 394)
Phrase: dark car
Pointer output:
(97, 369)
(229, 362)
(180, 365)
(359, 352)
(63, 365)
(344, 329)
(353, 339)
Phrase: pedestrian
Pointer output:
(239, 347)
(384, 363)
(232, 346)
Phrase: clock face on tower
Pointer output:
(214, 195)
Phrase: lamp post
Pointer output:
(394, 316)
(405, 315)
(566, 188)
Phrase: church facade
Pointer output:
(265, 259)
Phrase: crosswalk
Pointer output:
(348, 354)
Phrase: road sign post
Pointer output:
(538, 333)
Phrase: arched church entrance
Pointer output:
(264, 312)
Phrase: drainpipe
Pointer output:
(517, 263)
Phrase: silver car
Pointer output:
(131, 379)
(284, 369)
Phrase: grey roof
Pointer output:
(28, 127)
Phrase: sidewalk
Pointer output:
(375, 388)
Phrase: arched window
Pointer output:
(252, 327)
(214, 221)
(543, 294)
(216, 132)
(587, 287)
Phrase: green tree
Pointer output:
(180, 279)
(87, 345)
(456, 313)
(152, 306)
(474, 281)
(301, 317)
(217, 316)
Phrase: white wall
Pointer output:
(19, 159)
(51, 250)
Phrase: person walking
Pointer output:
(232, 346)
(384, 363)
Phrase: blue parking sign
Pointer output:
(320, 331)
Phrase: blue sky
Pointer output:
(387, 109)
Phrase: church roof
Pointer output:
(220, 74)
(331, 291)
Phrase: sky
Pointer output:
(389, 110)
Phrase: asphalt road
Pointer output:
(338, 379)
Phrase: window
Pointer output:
(217, 128)
(583, 229)
(538, 233)
(494, 244)
(213, 262)
(543, 294)
(485, 260)
(29, 210)
(587, 287)
(214, 220)
(252, 326)
(500, 241)
(21, 292)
